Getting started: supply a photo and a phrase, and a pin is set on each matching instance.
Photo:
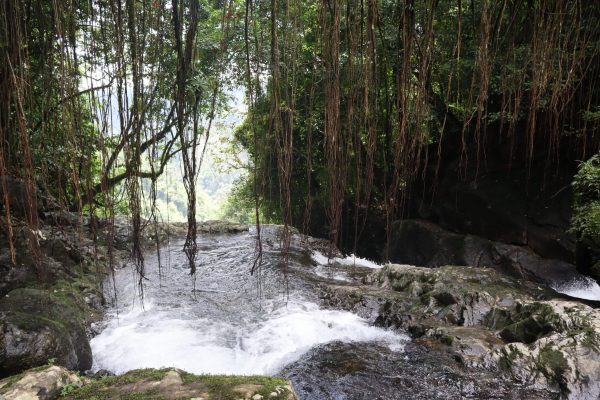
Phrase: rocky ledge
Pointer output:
(52, 382)
(486, 321)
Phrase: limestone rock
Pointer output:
(38, 384)
(486, 320)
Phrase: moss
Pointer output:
(510, 354)
(532, 321)
(147, 394)
(553, 364)
(498, 318)
(220, 387)
(590, 338)
(100, 389)
(447, 340)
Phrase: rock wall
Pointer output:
(501, 211)
(423, 243)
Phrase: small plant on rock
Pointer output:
(586, 216)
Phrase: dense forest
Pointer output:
(354, 106)
(412, 189)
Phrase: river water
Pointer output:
(224, 325)
(234, 323)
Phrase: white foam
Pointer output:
(155, 339)
(325, 272)
(582, 287)
(351, 259)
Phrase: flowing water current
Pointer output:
(223, 325)
(229, 322)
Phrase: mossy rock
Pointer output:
(553, 364)
(531, 322)
(153, 384)
(36, 326)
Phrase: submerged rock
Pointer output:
(486, 320)
(354, 371)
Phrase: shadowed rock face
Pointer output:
(486, 320)
(503, 197)
(419, 242)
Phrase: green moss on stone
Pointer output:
(553, 364)
(220, 387)
(447, 340)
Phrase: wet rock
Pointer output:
(486, 320)
(217, 226)
(37, 326)
(365, 371)
(39, 384)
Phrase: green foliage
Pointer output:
(68, 389)
(586, 211)
(586, 215)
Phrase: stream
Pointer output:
(222, 325)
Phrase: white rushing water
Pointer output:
(223, 328)
(323, 265)
(582, 287)
(322, 260)
(144, 339)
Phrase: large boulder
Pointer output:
(423, 243)
(37, 326)
(518, 204)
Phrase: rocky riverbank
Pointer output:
(486, 321)
(52, 296)
(51, 382)
(45, 325)
(472, 327)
